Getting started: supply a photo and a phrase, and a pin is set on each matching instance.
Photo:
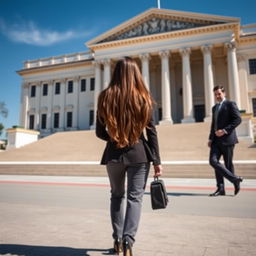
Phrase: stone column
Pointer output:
(166, 88)
(145, 69)
(243, 81)
(75, 102)
(107, 73)
(97, 88)
(233, 74)
(38, 106)
(50, 107)
(62, 120)
(24, 105)
(174, 107)
(208, 82)
(188, 113)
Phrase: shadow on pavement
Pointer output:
(182, 194)
(194, 194)
(186, 194)
(37, 250)
(189, 194)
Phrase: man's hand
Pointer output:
(219, 133)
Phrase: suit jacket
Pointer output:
(141, 152)
(228, 119)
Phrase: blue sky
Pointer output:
(31, 29)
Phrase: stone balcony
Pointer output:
(57, 60)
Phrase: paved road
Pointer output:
(69, 217)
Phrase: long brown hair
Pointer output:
(125, 107)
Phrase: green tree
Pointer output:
(3, 113)
(1, 128)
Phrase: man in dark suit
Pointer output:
(222, 140)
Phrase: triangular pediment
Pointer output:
(157, 21)
(157, 25)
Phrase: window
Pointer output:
(254, 106)
(160, 113)
(43, 121)
(45, 89)
(92, 83)
(83, 85)
(70, 86)
(56, 120)
(57, 88)
(199, 112)
(33, 91)
(69, 119)
(31, 122)
(91, 117)
(252, 66)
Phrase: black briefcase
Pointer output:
(159, 198)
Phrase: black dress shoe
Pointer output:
(127, 248)
(118, 247)
(218, 192)
(237, 185)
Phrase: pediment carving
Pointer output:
(156, 25)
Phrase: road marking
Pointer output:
(169, 187)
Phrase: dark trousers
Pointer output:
(226, 170)
(125, 222)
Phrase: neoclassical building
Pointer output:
(182, 56)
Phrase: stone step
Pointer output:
(178, 142)
(247, 171)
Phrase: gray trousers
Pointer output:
(125, 222)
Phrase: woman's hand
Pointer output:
(158, 170)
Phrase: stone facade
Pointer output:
(182, 56)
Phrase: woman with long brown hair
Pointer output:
(125, 110)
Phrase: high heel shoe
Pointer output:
(118, 247)
(127, 248)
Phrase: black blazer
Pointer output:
(228, 119)
(141, 152)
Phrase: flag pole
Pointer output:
(158, 4)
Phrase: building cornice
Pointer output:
(247, 39)
(54, 67)
(164, 36)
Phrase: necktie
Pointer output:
(216, 113)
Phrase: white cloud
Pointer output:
(29, 33)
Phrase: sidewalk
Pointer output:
(69, 216)
(185, 183)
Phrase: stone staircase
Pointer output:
(183, 149)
